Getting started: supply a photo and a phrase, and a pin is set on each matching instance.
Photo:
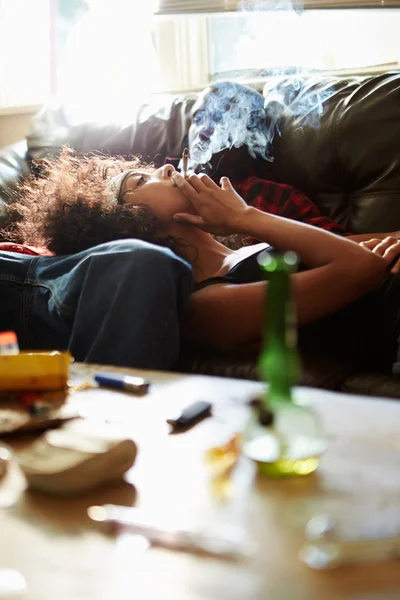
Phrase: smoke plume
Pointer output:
(229, 114)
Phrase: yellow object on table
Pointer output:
(34, 371)
(221, 461)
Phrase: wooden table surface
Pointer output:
(64, 556)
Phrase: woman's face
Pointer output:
(157, 190)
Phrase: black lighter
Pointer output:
(190, 415)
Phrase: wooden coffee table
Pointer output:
(64, 556)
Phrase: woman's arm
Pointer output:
(230, 317)
(227, 316)
(341, 270)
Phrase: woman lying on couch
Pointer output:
(340, 294)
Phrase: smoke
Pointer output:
(230, 114)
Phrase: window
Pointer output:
(283, 41)
(25, 52)
(127, 52)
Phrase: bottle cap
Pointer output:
(8, 342)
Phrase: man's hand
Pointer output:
(388, 249)
(220, 210)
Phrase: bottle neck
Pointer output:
(277, 310)
(279, 361)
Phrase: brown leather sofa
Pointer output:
(347, 160)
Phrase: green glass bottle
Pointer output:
(290, 441)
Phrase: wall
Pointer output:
(14, 127)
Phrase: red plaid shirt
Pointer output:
(277, 199)
(285, 201)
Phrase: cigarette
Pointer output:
(185, 160)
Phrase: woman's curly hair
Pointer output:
(67, 207)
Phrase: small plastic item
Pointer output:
(34, 371)
(40, 408)
(8, 343)
(190, 415)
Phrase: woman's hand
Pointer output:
(220, 210)
(388, 249)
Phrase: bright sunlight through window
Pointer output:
(104, 57)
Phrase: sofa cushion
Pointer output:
(372, 384)
(155, 131)
(335, 139)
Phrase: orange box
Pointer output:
(34, 371)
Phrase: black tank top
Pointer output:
(245, 271)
